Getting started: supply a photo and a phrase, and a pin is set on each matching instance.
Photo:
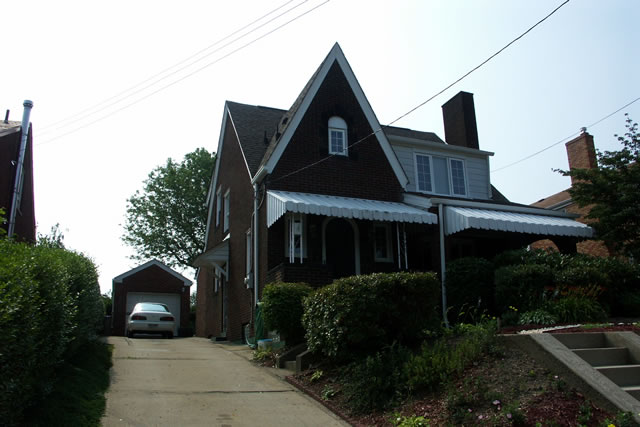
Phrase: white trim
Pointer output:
(337, 124)
(120, 278)
(218, 206)
(432, 174)
(335, 55)
(424, 144)
(226, 219)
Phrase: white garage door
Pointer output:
(171, 300)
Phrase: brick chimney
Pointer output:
(459, 116)
(581, 152)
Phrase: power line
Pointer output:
(186, 76)
(432, 97)
(80, 115)
(573, 135)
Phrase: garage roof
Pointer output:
(120, 278)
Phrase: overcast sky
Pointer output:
(577, 67)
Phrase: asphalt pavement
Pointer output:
(196, 382)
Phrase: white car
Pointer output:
(150, 318)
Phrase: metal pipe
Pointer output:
(17, 188)
(443, 264)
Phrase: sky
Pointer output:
(120, 86)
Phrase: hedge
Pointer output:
(357, 315)
(282, 309)
(470, 288)
(48, 309)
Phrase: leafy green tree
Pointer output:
(612, 191)
(167, 219)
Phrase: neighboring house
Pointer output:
(151, 282)
(321, 191)
(581, 154)
(16, 178)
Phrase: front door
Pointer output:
(340, 248)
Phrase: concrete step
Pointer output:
(290, 365)
(633, 391)
(607, 356)
(622, 375)
(583, 340)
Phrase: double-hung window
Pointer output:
(295, 237)
(338, 136)
(382, 243)
(226, 210)
(440, 175)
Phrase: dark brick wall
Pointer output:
(151, 279)
(25, 228)
(366, 173)
(233, 175)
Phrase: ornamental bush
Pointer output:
(522, 286)
(358, 315)
(41, 320)
(282, 309)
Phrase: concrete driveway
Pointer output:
(195, 382)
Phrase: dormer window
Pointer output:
(337, 136)
(440, 175)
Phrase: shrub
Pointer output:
(437, 362)
(282, 309)
(574, 309)
(469, 287)
(48, 309)
(537, 317)
(522, 286)
(360, 314)
(378, 381)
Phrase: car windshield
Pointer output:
(149, 306)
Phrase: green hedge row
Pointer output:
(357, 315)
(282, 308)
(529, 279)
(49, 306)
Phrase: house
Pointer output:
(16, 176)
(151, 282)
(581, 154)
(322, 191)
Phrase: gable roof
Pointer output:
(292, 118)
(153, 262)
(413, 134)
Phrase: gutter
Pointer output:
(19, 181)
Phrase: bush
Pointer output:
(44, 298)
(378, 381)
(357, 315)
(537, 317)
(522, 286)
(470, 287)
(575, 309)
(282, 309)
(437, 362)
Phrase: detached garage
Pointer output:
(151, 282)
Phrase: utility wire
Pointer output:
(186, 76)
(432, 97)
(119, 97)
(573, 135)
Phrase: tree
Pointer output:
(167, 220)
(612, 191)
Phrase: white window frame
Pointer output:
(227, 208)
(249, 264)
(389, 249)
(218, 205)
(337, 124)
(292, 256)
(449, 175)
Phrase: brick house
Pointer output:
(14, 135)
(151, 282)
(322, 191)
(581, 154)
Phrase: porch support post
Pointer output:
(443, 264)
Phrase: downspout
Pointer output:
(443, 264)
(17, 188)
(255, 244)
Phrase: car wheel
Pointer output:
(129, 334)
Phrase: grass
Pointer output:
(78, 396)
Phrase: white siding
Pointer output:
(477, 170)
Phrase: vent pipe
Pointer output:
(17, 187)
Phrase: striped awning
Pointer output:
(458, 219)
(281, 202)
